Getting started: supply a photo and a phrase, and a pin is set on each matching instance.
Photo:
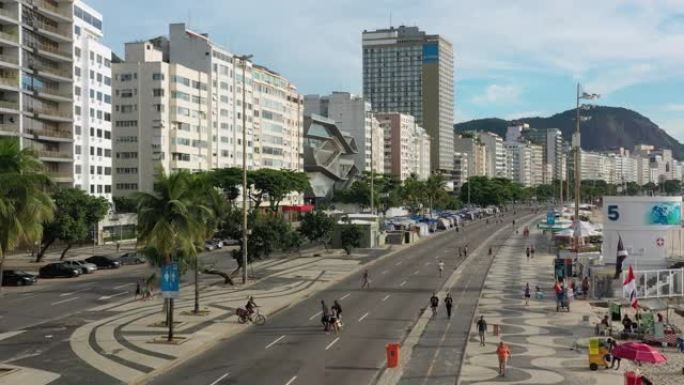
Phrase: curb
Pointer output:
(391, 377)
(226, 335)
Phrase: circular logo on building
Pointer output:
(660, 242)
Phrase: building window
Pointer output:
(77, 169)
(77, 30)
(108, 153)
(157, 76)
(99, 189)
(77, 52)
(77, 130)
(107, 135)
(77, 150)
(108, 189)
(158, 92)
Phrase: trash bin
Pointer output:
(497, 329)
(632, 378)
(392, 355)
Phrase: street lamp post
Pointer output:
(243, 59)
(577, 145)
(372, 172)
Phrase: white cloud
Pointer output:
(525, 114)
(674, 107)
(498, 94)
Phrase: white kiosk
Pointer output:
(649, 227)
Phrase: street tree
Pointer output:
(24, 202)
(672, 187)
(77, 213)
(168, 224)
(317, 227)
(350, 236)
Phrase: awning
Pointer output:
(299, 208)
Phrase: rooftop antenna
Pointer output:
(390, 18)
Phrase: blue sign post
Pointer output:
(550, 217)
(170, 280)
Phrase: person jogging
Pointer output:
(448, 302)
(434, 302)
(527, 293)
(440, 265)
(527, 252)
(504, 354)
(482, 329)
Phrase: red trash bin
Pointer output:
(392, 355)
(632, 378)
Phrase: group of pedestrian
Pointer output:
(503, 352)
(529, 252)
(331, 318)
(448, 303)
(463, 251)
(143, 289)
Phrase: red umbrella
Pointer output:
(636, 351)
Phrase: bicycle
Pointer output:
(256, 317)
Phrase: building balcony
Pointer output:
(51, 52)
(54, 156)
(9, 129)
(49, 10)
(9, 82)
(8, 60)
(49, 31)
(9, 15)
(52, 73)
(9, 106)
(49, 93)
(60, 177)
(53, 135)
(9, 39)
(49, 114)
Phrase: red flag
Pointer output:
(629, 288)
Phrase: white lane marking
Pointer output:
(399, 263)
(402, 284)
(106, 297)
(315, 315)
(386, 297)
(64, 301)
(345, 296)
(332, 343)
(291, 380)
(6, 335)
(275, 342)
(76, 291)
(220, 378)
(384, 272)
(122, 286)
(428, 263)
(363, 317)
(416, 272)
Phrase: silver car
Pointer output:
(83, 266)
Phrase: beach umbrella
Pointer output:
(636, 351)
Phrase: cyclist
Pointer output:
(434, 302)
(250, 307)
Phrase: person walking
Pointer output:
(532, 250)
(366, 279)
(325, 316)
(337, 310)
(448, 302)
(434, 302)
(504, 354)
(440, 265)
(138, 289)
(527, 293)
(585, 287)
(465, 251)
(482, 329)
(527, 252)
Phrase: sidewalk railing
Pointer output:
(659, 283)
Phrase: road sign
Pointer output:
(170, 280)
(550, 217)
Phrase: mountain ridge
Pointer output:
(609, 128)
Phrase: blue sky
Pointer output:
(512, 58)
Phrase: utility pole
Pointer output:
(577, 145)
(372, 173)
(243, 59)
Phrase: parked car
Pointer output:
(85, 267)
(209, 246)
(58, 269)
(132, 258)
(103, 262)
(230, 242)
(17, 278)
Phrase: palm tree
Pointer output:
(24, 202)
(434, 187)
(168, 224)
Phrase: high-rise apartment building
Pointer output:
(176, 109)
(407, 146)
(55, 89)
(460, 169)
(92, 104)
(476, 151)
(353, 115)
(406, 70)
(496, 155)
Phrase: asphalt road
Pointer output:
(55, 298)
(292, 349)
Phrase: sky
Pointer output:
(512, 58)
